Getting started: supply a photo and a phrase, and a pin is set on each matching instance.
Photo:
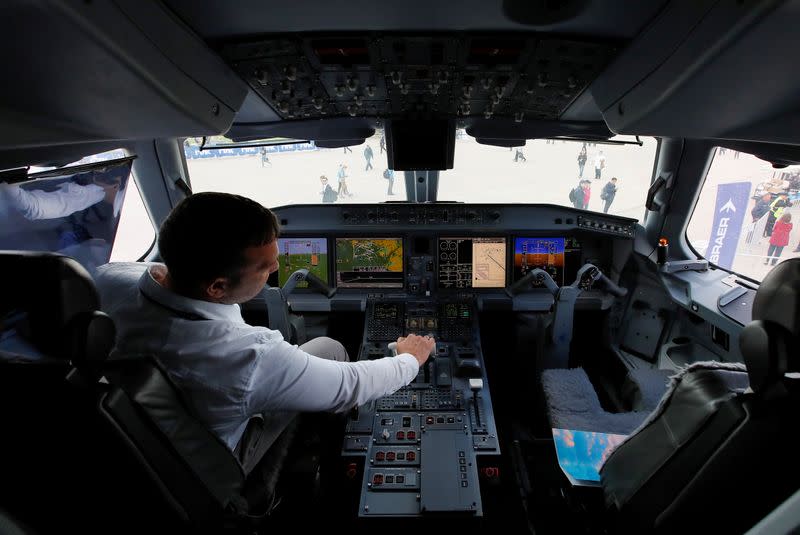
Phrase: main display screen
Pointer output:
(472, 262)
(369, 262)
(553, 255)
(298, 253)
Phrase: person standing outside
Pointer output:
(582, 157)
(383, 144)
(776, 209)
(265, 158)
(389, 175)
(328, 195)
(779, 238)
(608, 193)
(341, 175)
(576, 195)
(599, 164)
(368, 155)
(761, 207)
(519, 156)
(587, 194)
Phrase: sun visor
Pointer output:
(99, 71)
(505, 130)
(342, 129)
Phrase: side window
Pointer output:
(135, 233)
(73, 210)
(747, 215)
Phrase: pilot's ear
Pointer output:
(218, 289)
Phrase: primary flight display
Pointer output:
(298, 253)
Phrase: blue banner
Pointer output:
(729, 212)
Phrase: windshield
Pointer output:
(599, 177)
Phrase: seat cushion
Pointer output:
(572, 403)
(644, 388)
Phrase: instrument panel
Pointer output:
(429, 249)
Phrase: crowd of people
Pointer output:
(778, 224)
(579, 195)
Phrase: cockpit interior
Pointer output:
(586, 204)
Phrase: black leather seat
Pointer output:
(120, 427)
(53, 340)
(715, 451)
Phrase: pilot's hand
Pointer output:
(419, 346)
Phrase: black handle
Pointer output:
(319, 285)
(611, 287)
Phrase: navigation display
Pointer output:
(553, 255)
(298, 253)
(369, 262)
(472, 262)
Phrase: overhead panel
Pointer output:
(518, 77)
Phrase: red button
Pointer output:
(380, 456)
(377, 479)
(401, 435)
(412, 435)
(410, 456)
(390, 456)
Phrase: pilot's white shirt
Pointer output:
(228, 370)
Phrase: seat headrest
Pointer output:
(58, 304)
(769, 342)
(778, 297)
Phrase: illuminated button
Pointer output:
(401, 456)
(464, 484)
(377, 479)
(412, 435)
(411, 456)
(401, 435)
(462, 468)
(390, 479)
(460, 453)
(390, 456)
(380, 456)
(429, 420)
(450, 420)
(460, 461)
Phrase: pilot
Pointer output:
(219, 250)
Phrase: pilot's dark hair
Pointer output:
(206, 234)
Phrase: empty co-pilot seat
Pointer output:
(720, 447)
(572, 402)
